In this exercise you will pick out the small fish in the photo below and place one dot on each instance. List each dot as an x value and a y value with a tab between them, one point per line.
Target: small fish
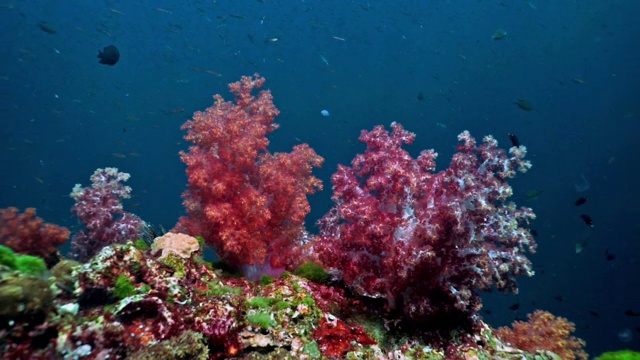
338	38
514	139
524	104
534	194
104	31
236	16
210	72
38	179
558	298
587	219
515	306
594	313
324	60
64	287
498	35
271	40
534	232
581	246
609	256
173	111
632	313
109	55
581	200
578	80
119	155
46	27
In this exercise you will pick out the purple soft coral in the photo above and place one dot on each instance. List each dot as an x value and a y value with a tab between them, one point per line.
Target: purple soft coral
427	241
99	208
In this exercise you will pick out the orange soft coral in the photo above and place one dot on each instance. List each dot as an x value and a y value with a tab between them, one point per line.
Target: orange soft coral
544	331
27	234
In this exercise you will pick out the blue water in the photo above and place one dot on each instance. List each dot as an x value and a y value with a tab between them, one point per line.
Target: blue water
431	65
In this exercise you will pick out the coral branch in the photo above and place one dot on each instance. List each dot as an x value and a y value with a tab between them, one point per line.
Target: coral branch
247	203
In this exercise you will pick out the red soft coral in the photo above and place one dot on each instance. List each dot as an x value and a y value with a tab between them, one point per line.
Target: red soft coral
544	331
247	203
28	234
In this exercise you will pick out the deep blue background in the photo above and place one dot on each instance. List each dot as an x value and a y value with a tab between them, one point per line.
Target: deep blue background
64	115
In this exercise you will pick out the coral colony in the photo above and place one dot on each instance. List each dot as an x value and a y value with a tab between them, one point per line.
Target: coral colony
395	272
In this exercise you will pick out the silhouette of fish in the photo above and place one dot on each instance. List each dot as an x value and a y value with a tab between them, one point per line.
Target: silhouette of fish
581	201
587	220
514	139
109	55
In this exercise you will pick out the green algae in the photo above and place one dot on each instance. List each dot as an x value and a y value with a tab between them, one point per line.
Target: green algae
31	265
282	305
217	289
177	263
123	287
26	264
141	245
261	319
266	280
312	350
261	303
312	271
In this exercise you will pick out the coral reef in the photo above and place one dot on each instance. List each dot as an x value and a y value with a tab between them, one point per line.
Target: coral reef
394	273
99	208
28	234
206	314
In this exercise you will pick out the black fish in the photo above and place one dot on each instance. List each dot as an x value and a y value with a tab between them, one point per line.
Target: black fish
514	139
594	313
534	232
558	298
587	219
109	55
632	313
580	201
514	307
609	256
